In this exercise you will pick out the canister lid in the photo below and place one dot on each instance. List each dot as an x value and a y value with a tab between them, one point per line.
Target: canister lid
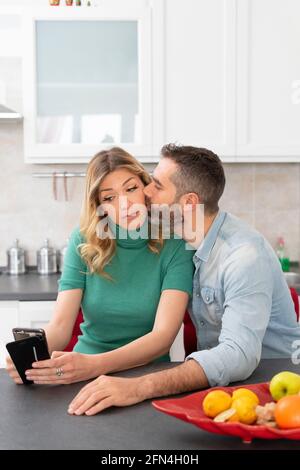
15	249
46	249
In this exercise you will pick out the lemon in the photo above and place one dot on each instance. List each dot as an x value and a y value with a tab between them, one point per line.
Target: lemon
245	409
245	392
215	402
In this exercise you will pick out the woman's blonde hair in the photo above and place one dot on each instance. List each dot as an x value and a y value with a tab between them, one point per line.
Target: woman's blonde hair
97	252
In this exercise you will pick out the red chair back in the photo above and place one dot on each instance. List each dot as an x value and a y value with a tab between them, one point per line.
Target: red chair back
189	335
295	298
76	332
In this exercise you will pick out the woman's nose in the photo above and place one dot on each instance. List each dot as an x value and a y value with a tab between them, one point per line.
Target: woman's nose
123	202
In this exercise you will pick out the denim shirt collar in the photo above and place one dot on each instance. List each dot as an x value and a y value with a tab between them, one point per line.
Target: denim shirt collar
209	240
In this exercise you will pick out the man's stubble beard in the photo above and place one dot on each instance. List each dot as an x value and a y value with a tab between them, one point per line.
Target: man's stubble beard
167	217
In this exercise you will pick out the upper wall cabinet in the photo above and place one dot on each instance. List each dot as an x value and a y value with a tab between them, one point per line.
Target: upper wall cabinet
200	74
10	32
222	74
268	80
90	80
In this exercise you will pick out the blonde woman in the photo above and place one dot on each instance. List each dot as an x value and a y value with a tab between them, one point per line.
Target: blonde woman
133	291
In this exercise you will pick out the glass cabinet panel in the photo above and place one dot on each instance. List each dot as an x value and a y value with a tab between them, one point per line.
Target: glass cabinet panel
87	82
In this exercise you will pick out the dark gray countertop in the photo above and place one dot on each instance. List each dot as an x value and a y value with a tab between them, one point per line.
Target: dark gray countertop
33	286
35	417
29	286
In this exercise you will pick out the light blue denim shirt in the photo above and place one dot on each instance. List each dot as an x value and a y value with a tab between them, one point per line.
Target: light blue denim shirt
241	307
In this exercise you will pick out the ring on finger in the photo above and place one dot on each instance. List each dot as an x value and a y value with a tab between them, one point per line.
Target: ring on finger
59	372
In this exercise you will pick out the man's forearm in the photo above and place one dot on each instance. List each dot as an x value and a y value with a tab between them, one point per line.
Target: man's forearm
184	378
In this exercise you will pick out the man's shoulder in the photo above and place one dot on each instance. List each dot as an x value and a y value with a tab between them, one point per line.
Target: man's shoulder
243	251
235	233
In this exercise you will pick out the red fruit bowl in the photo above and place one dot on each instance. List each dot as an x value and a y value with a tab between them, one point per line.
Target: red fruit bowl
189	409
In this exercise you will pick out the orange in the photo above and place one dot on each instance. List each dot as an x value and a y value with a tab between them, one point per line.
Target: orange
215	402
287	412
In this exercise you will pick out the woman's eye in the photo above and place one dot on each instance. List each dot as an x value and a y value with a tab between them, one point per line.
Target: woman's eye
132	189
108	198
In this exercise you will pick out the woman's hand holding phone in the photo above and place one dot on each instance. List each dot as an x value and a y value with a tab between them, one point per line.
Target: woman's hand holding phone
61	368
64	368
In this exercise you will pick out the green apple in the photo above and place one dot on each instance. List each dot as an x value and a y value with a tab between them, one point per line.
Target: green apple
284	383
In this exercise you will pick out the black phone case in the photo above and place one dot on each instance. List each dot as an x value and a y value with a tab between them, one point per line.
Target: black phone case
26	351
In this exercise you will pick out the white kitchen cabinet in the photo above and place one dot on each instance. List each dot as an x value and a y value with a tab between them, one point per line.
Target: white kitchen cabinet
8	320
90	80
10	32
224	74
35	314
200	74
268	80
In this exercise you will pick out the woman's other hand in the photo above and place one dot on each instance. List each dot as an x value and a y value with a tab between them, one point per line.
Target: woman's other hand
12	371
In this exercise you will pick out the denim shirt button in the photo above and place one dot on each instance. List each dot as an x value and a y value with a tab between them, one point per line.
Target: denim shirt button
208	295
202	323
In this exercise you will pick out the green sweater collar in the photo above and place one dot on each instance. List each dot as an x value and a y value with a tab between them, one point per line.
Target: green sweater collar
129	238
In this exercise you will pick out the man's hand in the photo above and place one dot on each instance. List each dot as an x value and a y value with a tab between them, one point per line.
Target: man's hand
104	392
63	368
12	371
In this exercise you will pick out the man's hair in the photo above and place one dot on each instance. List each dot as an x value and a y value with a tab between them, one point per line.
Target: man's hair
199	171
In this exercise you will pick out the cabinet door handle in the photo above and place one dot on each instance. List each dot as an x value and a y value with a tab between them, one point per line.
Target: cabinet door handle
66	186
54	186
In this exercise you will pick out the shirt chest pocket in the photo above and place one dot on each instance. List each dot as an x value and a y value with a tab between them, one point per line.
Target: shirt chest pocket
212	304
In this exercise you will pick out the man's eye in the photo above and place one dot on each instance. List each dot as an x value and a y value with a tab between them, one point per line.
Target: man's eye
133	188
157	187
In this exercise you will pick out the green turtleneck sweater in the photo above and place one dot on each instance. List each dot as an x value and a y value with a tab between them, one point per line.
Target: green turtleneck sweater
120	311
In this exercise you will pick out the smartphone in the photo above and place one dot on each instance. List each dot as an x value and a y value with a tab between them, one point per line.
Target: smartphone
22	333
24	352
